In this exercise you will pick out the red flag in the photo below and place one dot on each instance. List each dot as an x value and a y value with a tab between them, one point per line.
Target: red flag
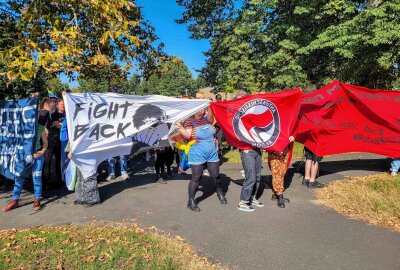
263	120
340	118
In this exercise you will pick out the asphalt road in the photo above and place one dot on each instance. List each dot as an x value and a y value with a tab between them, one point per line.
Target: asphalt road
301	236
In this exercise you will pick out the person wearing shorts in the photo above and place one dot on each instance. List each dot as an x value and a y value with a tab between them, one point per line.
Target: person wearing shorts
202	154
311	169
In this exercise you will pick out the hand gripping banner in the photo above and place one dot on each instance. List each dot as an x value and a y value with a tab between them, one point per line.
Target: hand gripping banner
107	125
341	118
259	121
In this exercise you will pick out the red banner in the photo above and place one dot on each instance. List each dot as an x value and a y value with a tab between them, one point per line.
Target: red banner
263	120
341	118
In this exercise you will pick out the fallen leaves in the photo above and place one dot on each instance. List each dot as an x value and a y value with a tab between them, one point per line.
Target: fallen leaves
179	238
119	245
90	258
373	199
60	264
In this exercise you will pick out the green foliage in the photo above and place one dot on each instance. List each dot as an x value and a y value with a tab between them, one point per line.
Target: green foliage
76	38
18	88
172	79
277	44
57	86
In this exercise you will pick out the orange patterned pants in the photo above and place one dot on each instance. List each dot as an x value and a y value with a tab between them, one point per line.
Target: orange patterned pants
277	164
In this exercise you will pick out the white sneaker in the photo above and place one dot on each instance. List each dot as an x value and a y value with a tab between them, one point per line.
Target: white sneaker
124	176
394	173
110	177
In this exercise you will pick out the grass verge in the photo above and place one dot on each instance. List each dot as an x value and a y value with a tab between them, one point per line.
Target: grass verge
373	199
234	156
96	247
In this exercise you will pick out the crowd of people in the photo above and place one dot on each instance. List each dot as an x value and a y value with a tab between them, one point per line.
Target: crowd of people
204	157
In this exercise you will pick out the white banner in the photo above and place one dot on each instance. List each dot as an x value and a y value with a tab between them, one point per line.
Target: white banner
101	126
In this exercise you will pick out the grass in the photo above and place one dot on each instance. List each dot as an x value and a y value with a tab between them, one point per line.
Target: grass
234	156
373	199
96	247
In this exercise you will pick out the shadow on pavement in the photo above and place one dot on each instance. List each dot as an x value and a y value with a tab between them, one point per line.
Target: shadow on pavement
208	189
326	168
332	167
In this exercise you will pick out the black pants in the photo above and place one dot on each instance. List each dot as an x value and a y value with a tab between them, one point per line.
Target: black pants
197	173
169	158
165	157
53	151
178	156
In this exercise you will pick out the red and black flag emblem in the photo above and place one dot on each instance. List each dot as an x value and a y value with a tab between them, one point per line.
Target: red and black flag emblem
263	120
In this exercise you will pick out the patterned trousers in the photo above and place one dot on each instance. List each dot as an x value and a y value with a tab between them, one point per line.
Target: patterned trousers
86	190
278	164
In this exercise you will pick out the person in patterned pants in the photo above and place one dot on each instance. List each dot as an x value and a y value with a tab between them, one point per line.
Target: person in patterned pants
278	163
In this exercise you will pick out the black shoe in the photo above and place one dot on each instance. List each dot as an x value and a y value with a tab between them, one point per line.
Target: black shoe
192	205
305	182
276	197
221	197
281	201
315	184
78	202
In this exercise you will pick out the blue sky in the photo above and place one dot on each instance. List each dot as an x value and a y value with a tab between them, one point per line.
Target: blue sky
162	15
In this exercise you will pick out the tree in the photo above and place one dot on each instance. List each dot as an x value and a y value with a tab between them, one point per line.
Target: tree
280	44
172	79
57	86
18	88
77	37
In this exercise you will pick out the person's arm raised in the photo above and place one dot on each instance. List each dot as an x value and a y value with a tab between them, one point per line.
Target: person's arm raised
186	133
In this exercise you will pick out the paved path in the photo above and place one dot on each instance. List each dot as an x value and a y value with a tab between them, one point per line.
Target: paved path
301	236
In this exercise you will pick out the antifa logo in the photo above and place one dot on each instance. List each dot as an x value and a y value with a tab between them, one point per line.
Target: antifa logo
257	123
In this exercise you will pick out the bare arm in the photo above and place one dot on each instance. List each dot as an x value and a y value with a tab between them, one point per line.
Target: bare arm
186	133
210	116
44	147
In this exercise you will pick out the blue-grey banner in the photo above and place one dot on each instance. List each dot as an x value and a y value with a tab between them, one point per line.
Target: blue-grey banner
18	129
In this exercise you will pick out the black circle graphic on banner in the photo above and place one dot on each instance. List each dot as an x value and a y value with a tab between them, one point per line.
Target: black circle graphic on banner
257	123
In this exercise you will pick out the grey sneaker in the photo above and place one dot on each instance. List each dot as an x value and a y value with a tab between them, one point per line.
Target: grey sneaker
161	181
256	203
315	184
245	207
393	173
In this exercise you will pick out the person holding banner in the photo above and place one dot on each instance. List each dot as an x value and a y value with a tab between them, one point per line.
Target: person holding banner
38	160
251	161
278	163
86	189
311	169
203	153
